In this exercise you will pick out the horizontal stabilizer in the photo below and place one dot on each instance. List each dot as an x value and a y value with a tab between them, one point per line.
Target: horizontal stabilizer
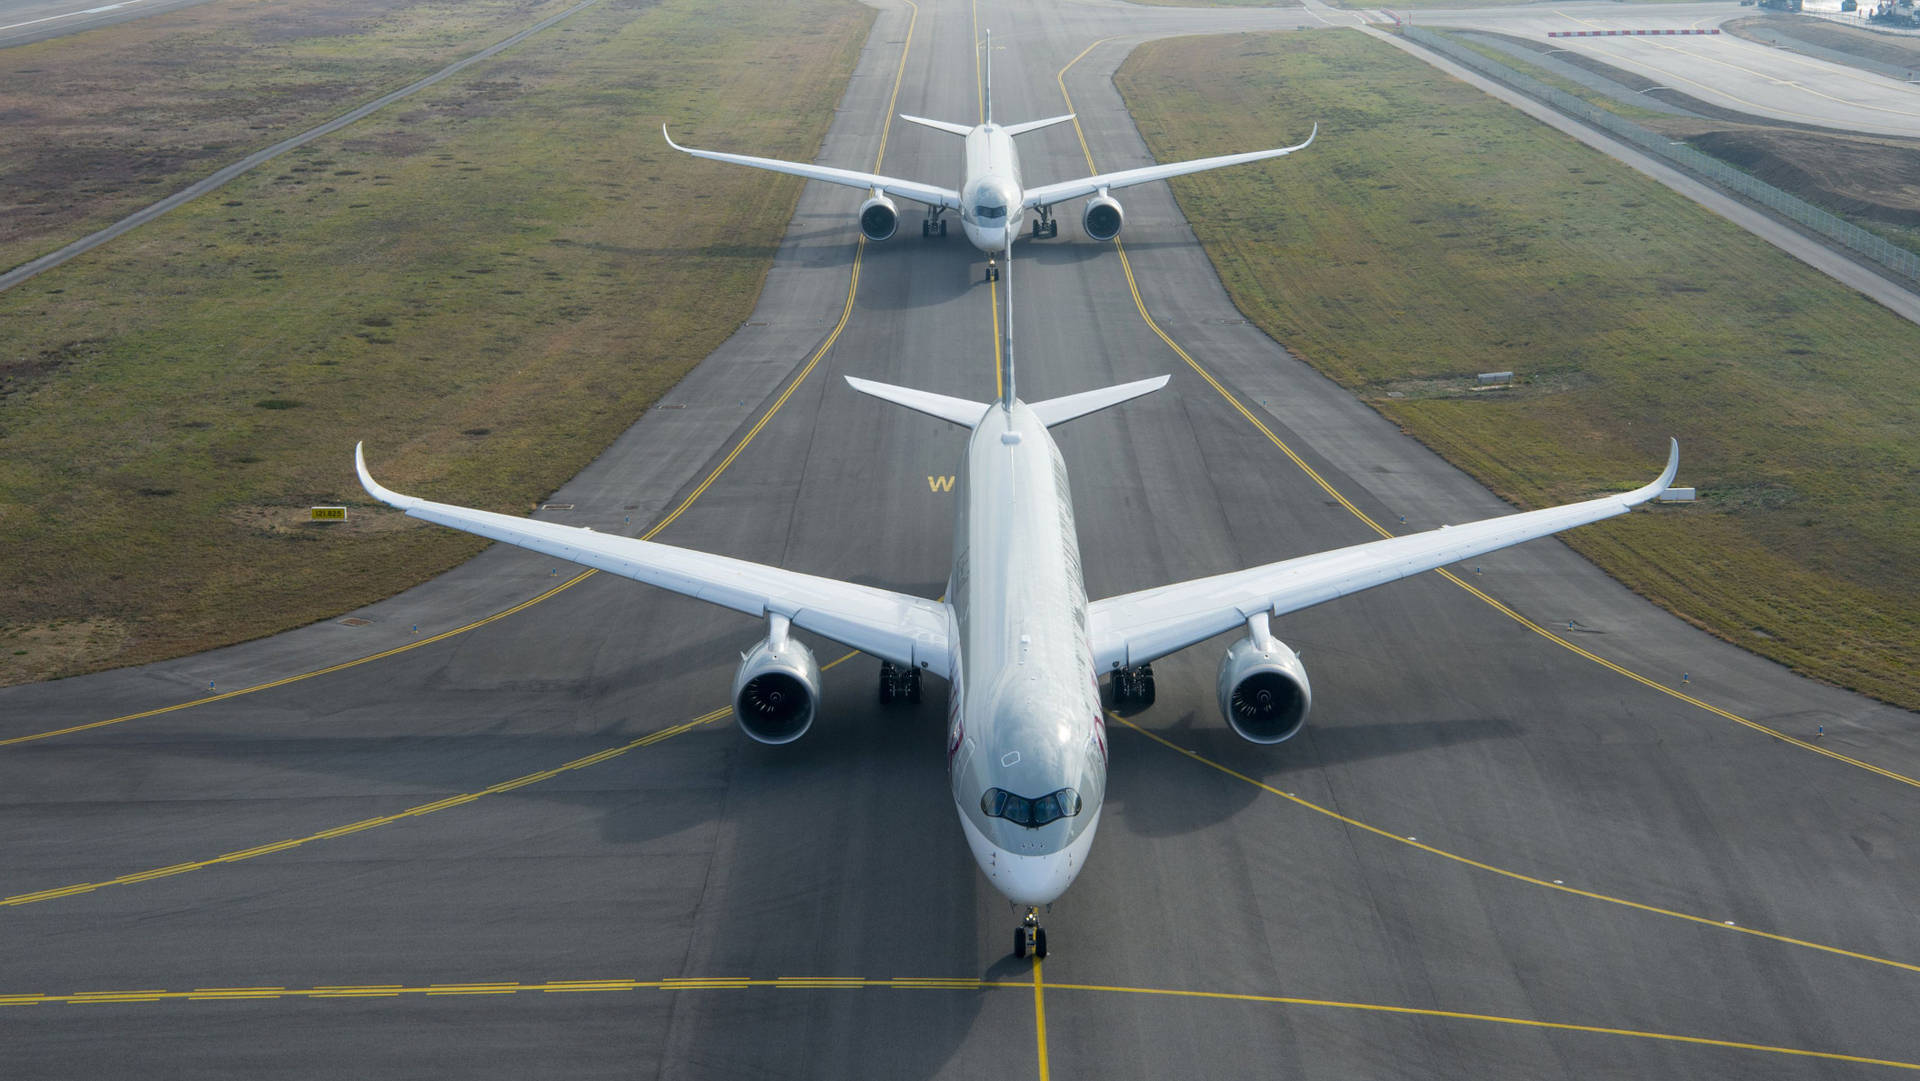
952	410
937	125
1036	125
1061	410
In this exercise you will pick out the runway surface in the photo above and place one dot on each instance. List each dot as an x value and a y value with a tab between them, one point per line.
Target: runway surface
1721	69
537	847
26	21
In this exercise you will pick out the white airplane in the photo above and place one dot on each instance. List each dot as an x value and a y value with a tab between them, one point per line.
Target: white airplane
1015	637
990	199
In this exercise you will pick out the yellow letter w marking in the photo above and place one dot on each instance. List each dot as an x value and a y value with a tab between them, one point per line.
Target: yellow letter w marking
939	484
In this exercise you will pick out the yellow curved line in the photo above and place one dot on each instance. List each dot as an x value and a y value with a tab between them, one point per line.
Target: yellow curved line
443	804
1592	895
896	983
365	823
846	312
1334	493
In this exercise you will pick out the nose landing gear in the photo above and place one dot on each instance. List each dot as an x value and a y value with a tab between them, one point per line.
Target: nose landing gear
1030	937
993	270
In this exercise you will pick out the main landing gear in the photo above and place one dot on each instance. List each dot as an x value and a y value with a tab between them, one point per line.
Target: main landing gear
933	227
1044	227
1133	686
899	684
1030	937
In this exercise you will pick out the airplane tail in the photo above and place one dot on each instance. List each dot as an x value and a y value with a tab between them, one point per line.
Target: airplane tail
937	125
1052	412
1034	125
988	119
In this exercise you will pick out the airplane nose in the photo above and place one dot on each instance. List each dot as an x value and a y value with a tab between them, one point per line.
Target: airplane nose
1030	880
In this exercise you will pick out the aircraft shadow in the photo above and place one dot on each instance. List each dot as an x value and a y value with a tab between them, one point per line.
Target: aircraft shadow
1153	788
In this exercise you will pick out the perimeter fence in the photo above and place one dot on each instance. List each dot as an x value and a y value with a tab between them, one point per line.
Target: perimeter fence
1791	207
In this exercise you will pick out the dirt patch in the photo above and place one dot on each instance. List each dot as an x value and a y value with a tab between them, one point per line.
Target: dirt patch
35	652
1859	177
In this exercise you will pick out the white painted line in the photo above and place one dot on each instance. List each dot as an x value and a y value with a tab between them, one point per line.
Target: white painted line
70	14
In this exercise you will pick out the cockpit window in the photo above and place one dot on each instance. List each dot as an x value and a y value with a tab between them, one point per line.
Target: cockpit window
990	212
1031	813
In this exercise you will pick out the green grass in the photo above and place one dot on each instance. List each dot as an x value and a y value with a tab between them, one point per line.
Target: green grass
101	124
1433	233
488	284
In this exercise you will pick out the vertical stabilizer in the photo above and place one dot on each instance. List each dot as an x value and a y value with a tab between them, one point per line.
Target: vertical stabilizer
1006	389
988	119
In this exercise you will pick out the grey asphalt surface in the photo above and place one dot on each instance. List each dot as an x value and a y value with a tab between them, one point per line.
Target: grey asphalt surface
704	856
23	22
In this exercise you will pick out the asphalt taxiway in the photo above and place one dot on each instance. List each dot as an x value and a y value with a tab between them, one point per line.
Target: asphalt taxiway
1721	69
534	845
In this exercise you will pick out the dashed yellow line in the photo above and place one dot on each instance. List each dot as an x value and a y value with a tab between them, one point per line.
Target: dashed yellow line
1335	494
1559	886
913	983
846	312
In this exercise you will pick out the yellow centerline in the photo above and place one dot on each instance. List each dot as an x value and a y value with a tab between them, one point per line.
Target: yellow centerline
1134	287
901	983
846	312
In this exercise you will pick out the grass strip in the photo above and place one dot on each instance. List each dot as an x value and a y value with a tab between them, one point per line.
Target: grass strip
490	282
1438	233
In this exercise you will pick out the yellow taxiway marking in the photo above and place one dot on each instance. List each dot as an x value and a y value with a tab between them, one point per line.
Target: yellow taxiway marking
919	983
1326	486
1040	1016
444	804
846	312
1562	887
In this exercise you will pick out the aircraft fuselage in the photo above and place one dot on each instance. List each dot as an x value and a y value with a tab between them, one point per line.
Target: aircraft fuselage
1024	708
990	191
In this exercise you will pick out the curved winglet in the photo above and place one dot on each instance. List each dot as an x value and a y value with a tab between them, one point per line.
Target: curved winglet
374	488
1665	480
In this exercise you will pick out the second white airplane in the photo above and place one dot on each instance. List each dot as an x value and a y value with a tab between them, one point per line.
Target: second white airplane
991	201
1021	648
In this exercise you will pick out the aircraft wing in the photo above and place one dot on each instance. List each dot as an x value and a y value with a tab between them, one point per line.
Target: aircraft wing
1135	628
930	194
893	626
1049	194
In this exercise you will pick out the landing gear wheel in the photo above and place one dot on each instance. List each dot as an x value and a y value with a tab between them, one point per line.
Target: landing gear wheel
889	682
943	229
1133	686
1029	938
913	685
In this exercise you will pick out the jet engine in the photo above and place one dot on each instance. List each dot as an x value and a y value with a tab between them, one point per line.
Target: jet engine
1102	218
776	692
879	217
1264	693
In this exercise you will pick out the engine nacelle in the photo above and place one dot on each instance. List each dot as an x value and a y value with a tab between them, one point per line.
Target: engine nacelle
776	692
1102	218
879	217
1264	694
